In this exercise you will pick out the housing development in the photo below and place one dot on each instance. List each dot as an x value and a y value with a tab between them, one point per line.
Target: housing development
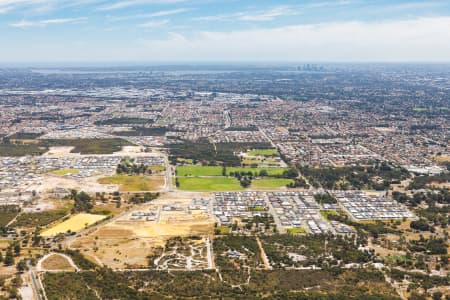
322	181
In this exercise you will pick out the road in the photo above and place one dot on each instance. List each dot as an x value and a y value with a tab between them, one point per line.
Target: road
168	187
36	289
277	221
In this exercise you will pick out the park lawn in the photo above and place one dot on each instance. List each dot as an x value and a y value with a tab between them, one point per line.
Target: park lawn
199	171
270	183
223	229
134	183
300	230
185	160
74	224
157	168
326	213
263	152
256	171
66	172
209	184
248	161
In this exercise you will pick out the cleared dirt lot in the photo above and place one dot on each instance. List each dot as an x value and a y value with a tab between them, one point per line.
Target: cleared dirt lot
126	243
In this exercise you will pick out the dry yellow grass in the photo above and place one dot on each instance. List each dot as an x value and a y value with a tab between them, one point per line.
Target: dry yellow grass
74	224
57	262
134	183
442	158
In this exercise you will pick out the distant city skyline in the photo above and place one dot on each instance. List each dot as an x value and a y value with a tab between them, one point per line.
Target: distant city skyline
178	31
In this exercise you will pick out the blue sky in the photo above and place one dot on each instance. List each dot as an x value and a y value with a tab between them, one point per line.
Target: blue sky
223	30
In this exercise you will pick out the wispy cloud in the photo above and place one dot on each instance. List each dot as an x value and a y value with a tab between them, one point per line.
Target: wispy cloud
130	3
162	13
43	23
421	39
154	24
41	6
9	5
269	15
259	16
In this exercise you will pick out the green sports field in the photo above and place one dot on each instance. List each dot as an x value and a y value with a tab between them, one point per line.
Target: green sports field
199	171
263	152
63	172
270	183
209	184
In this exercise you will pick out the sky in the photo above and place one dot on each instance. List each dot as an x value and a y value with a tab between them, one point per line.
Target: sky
261	31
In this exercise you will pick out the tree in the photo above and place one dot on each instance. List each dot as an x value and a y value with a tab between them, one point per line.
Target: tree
21	266
17	249
9	258
290	173
263	173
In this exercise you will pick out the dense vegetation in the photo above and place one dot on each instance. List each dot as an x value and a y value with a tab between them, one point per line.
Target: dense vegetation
209	154
123	121
143	131
322	250
420	182
24	136
83	146
10	149
333	284
91	146
82	201
143	198
7	214
378	176
39	219
127	166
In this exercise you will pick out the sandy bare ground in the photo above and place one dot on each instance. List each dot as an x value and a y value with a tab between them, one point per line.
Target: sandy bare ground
89	184
64	151
61	151
126	243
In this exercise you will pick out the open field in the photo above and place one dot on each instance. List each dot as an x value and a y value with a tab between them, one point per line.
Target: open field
217	170
126	243
209	184
296	230
199	171
74	224
134	183
442	158
256	171
57	262
263	152
270	183
157	168
63	172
